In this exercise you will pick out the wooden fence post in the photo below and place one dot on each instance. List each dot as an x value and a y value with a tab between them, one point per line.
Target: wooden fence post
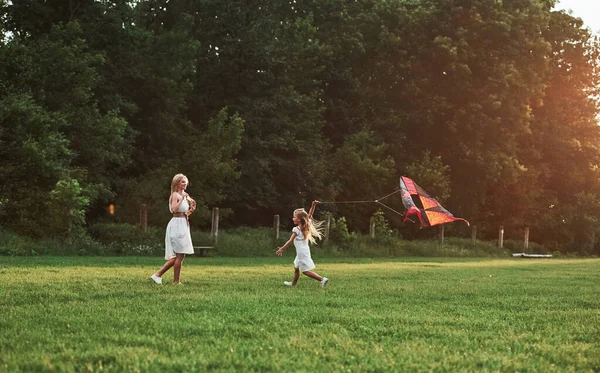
526	239
501	237
144	217
327	227
372	227
214	231
276	226
70	226
474	233
441	234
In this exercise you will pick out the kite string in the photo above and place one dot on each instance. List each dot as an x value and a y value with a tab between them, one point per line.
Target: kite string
388	207
386	196
373	201
339	202
343	202
377	201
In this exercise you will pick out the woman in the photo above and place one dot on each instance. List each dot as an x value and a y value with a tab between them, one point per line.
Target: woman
178	240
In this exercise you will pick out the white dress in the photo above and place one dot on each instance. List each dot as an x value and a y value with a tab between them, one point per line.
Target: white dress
303	259
178	239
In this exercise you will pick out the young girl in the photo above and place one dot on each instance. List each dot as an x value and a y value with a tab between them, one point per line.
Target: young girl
178	240
305	230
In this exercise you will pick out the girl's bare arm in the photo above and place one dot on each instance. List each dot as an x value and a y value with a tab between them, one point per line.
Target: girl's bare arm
312	209
280	250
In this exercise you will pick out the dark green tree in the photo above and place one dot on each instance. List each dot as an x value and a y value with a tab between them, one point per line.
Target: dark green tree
50	107
562	149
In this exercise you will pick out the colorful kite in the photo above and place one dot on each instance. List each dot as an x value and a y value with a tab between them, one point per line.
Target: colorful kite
432	212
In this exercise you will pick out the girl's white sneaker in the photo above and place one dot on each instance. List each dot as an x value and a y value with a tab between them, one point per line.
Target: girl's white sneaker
324	282
288	283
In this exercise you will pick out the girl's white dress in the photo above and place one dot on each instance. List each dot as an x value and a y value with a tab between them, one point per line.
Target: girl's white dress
178	239
303	259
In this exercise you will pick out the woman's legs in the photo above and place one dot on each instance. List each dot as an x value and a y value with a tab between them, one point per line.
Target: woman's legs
168	264
177	268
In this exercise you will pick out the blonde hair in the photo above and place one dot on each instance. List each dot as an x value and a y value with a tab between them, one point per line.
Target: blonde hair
311	229
176	179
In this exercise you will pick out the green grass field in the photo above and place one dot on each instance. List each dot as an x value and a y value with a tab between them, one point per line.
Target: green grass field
411	314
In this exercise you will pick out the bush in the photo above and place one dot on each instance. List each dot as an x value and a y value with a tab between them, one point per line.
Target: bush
127	239
338	232
365	246
244	241
382	226
465	247
515	246
14	245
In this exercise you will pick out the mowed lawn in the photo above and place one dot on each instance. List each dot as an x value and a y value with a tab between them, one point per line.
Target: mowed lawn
232	314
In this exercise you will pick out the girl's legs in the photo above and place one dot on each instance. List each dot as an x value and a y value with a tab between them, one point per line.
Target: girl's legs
296	276
177	268
295	280
313	275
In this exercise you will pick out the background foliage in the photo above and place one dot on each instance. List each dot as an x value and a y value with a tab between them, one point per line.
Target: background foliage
492	106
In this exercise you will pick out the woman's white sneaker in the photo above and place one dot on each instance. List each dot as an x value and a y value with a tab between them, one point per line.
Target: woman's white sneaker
324	282
288	283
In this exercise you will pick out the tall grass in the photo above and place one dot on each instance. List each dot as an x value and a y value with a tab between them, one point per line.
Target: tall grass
233	314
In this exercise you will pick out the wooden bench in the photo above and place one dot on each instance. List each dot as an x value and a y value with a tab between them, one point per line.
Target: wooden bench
203	249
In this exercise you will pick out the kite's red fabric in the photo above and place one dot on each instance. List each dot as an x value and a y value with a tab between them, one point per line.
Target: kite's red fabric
432	212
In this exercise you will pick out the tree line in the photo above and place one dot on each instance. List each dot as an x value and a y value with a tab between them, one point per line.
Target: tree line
489	105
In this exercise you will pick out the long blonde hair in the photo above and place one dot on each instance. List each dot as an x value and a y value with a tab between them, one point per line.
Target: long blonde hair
311	229
176	179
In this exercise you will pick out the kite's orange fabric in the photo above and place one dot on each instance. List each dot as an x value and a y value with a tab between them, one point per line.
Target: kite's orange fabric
432	212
